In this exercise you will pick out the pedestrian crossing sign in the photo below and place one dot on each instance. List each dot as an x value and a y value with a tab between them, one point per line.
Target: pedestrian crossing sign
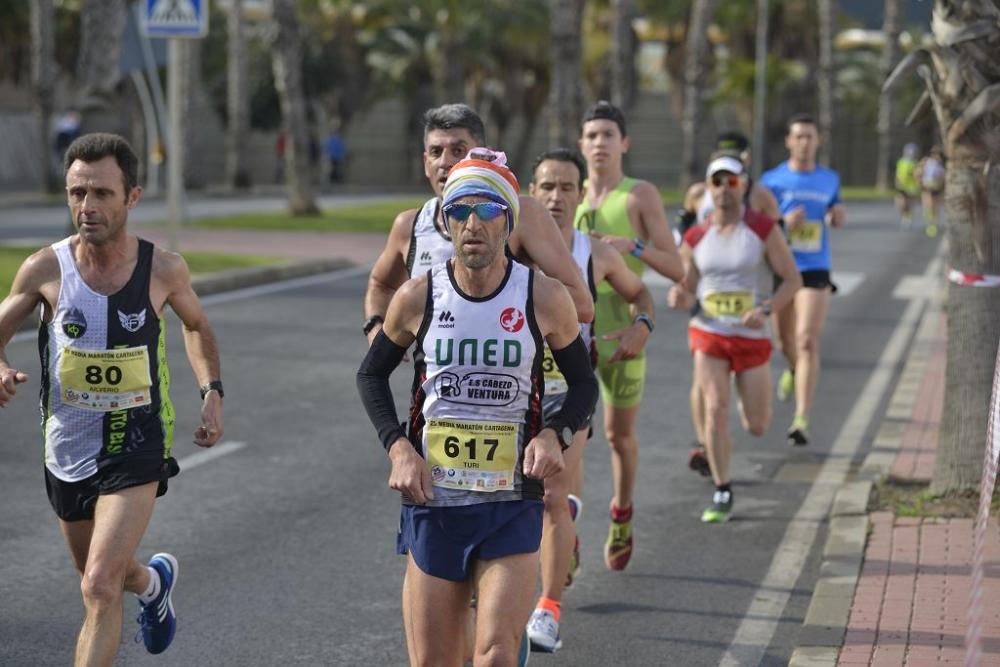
175	18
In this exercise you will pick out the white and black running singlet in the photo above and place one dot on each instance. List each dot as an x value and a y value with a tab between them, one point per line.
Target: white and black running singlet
555	381
105	381
429	244
478	389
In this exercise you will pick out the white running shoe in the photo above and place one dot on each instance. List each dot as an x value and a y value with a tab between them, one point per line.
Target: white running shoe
543	631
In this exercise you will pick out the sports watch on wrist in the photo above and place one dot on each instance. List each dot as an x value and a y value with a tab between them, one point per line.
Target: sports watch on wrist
215	385
766	308
370	323
645	319
564	434
640	245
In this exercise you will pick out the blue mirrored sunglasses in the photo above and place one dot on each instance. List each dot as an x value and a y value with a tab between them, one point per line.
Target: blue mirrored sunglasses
485	211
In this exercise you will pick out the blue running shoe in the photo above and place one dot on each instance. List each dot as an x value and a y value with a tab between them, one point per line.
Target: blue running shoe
575	506
157	618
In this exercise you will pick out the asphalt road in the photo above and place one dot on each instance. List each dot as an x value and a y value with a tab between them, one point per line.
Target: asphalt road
286	540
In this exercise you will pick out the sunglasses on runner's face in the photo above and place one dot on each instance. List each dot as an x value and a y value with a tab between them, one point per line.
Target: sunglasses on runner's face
485	211
731	181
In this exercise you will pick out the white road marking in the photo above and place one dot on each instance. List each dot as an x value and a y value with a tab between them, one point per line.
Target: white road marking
756	631
847	281
206	455
251	292
913	287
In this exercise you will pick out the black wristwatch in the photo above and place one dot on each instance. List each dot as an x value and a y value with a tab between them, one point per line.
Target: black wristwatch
214	384
564	434
370	323
645	319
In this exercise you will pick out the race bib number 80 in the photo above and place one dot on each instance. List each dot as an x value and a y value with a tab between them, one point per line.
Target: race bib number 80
105	380
471	455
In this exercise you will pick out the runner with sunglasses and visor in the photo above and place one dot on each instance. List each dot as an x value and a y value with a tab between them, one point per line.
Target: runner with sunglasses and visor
724	258
471	462
698	205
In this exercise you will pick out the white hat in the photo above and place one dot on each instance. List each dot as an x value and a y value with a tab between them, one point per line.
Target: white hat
730	164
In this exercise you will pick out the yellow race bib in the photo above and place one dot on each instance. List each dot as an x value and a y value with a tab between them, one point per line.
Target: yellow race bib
471	455
555	381
808	237
105	380
726	304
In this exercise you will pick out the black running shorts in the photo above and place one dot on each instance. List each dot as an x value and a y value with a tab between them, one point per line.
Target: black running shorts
816	279
75	501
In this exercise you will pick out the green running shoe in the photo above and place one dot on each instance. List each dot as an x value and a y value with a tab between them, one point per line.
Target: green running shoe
574	565
618	548
721	509
786	385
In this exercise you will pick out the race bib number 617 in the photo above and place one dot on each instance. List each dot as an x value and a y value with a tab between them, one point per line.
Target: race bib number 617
471	455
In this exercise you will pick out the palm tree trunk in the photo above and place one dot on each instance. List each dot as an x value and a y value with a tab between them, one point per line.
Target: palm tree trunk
826	77
43	72
286	61
891	27
566	49
623	54
967	38
695	59
102	24
972	211
237	102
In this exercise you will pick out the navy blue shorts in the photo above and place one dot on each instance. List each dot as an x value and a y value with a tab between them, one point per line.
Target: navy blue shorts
445	540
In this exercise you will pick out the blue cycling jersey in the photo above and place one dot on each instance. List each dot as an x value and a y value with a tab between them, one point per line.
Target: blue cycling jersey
817	191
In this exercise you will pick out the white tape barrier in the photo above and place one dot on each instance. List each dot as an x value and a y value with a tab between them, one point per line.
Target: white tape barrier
973	634
973	279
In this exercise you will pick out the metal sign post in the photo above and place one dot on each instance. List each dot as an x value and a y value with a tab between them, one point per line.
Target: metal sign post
176	20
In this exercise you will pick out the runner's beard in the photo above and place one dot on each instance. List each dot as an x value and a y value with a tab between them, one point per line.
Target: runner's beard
485	254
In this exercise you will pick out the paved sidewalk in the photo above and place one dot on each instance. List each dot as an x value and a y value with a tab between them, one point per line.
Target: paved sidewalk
895	590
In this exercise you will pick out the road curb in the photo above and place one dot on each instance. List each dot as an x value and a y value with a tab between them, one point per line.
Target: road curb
227	281
825	625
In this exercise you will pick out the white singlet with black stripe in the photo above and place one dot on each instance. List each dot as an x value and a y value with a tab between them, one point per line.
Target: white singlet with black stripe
429	243
478	385
729	268
582	251
105	382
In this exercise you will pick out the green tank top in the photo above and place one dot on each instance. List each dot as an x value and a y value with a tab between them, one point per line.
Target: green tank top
611	217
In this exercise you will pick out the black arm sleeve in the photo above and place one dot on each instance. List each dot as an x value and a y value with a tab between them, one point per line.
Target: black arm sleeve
686	220
373	386
581	397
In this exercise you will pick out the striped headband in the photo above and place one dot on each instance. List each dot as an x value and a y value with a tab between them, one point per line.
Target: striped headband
484	173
